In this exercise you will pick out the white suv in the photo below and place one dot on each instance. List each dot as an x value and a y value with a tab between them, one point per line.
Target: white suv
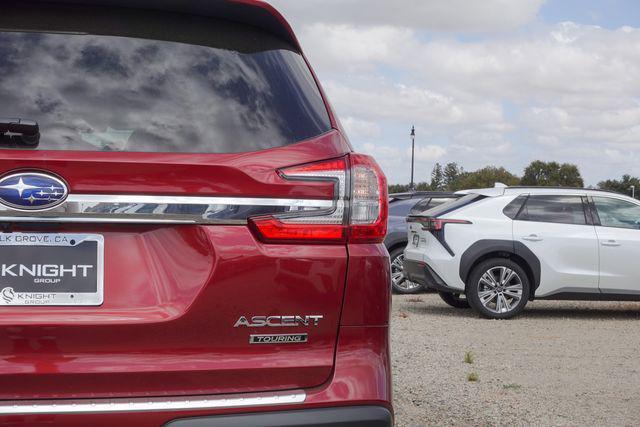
501	247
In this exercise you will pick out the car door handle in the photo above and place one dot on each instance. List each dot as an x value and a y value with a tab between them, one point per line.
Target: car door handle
611	243
532	238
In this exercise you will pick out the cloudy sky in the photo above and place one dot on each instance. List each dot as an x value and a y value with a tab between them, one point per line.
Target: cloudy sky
492	82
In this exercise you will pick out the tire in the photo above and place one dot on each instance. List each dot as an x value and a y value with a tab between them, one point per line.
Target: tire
399	283
498	288
454	300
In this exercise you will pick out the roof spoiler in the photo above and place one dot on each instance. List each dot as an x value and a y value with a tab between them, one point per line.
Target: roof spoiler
250	12
497	190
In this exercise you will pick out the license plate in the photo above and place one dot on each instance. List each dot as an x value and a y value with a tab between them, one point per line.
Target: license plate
51	269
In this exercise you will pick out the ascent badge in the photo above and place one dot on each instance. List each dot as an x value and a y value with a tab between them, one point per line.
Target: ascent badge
278	321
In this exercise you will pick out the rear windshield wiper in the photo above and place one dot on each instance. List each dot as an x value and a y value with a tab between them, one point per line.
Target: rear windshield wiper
19	131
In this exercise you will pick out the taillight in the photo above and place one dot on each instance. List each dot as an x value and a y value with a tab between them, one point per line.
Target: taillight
365	221
273	230
369	201
436	224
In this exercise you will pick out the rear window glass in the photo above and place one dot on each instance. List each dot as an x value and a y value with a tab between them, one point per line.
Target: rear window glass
558	209
453	205
401	207
428	204
421	206
435	202
512	209
155	83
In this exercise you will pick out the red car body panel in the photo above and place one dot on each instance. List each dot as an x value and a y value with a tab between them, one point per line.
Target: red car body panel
172	293
166	301
361	377
250	174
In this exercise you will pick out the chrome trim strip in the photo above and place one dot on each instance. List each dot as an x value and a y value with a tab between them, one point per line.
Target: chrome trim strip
112	220
86	406
194	200
141	209
108	220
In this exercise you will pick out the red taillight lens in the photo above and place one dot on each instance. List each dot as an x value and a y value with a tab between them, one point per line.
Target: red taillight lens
365	222
272	230
436	224
333	167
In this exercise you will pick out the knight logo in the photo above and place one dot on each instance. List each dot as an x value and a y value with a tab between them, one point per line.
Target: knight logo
8	295
278	321
44	270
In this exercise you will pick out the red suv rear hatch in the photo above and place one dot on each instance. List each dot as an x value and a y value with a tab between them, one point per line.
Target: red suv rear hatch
202	153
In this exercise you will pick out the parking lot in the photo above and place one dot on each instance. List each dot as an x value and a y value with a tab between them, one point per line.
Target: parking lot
560	363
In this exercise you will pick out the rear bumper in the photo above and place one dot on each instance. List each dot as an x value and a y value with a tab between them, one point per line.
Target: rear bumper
356	416
420	272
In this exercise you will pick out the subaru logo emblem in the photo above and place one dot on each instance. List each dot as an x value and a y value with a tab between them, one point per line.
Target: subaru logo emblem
32	191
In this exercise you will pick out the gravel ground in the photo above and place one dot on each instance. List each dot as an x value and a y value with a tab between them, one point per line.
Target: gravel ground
559	363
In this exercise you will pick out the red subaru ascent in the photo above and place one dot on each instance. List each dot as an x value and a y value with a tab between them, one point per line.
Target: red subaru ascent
186	235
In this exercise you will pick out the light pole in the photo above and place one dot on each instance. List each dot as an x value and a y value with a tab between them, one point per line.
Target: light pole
633	191
413	151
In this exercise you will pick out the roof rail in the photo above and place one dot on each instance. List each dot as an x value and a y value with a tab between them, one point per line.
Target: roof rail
560	188
524	187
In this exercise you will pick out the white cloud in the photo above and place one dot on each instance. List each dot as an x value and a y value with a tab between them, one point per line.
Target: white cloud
596	65
342	47
396	161
428	153
565	91
361	128
383	100
439	15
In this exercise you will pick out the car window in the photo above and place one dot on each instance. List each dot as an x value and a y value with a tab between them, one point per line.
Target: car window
421	206
195	91
435	202
401	207
453	204
552	208
512	209
617	213
428	204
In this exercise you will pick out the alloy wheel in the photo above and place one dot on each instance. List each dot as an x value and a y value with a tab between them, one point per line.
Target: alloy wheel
500	289
397	275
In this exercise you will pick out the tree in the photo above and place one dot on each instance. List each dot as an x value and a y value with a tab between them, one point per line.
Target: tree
437	178
451	172
485	177
552	174
622	186
423	186
398	188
